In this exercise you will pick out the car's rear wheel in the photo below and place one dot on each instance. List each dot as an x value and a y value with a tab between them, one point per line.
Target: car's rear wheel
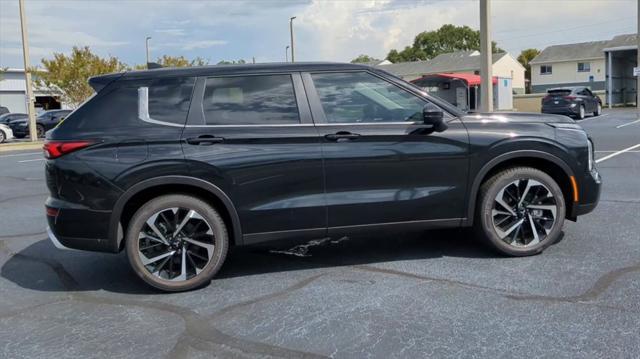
3	137
176	242
520	211
581	112
40	131
598	110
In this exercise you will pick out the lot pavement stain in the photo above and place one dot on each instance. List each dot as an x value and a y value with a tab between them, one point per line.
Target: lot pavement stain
199	332
23	197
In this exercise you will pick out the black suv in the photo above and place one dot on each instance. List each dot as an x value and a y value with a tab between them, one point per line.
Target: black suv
574	101
178	165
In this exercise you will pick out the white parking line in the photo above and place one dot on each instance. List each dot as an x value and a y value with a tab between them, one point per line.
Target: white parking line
22	154
629	123
617	153
37	159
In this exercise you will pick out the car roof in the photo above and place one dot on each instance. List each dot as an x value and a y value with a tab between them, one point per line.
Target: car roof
232	69
567	88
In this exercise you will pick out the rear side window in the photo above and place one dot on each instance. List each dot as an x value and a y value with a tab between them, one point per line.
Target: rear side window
166	101
250	100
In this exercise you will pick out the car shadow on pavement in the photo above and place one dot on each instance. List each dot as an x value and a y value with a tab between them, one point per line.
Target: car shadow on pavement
41	267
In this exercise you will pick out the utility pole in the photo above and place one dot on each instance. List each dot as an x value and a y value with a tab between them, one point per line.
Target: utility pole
146	42
293	52
485	57
33	133
286	52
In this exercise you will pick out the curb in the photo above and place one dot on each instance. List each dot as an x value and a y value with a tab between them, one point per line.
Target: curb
10	147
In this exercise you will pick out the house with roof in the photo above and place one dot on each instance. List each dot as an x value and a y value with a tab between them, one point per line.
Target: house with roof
13	93
601	65
580	64
504	65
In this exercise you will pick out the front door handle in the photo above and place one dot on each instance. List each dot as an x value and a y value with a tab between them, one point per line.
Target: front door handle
205	140
342	136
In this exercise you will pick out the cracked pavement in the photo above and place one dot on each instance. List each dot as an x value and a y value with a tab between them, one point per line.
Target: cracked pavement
438	294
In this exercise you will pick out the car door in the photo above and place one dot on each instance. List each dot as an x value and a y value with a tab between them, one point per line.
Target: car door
383	166
253	137
586	99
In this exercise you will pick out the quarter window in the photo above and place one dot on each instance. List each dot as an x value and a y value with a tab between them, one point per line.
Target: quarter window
354	97
584	66
250	100
546	69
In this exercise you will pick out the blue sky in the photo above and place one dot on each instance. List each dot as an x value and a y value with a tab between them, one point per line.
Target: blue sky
326	30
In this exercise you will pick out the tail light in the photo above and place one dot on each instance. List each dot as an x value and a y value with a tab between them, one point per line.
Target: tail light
55	149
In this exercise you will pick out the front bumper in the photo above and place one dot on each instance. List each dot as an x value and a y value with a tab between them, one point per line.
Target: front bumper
589	190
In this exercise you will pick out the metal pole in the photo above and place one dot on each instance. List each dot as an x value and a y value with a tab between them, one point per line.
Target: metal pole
286	53
146	41
609	78
293	52
33	133
485	54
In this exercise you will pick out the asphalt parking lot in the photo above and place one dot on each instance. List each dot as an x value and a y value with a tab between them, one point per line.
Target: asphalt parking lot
439	294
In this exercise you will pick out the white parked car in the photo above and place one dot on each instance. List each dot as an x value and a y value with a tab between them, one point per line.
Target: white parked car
5	133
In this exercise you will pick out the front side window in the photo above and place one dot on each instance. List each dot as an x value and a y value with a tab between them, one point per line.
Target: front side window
545	70
250	100
584	66
356	97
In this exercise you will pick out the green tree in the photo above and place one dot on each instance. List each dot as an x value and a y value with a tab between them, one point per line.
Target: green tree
70	74
363	59
448	38
524	58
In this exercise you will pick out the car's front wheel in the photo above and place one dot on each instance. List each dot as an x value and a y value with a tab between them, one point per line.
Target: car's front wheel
520	211
176	242
3	137
40	131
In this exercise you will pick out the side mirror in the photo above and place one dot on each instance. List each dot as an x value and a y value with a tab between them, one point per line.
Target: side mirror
434	118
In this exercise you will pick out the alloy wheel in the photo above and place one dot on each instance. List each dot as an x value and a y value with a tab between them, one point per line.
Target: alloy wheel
176	244
524	213
581	112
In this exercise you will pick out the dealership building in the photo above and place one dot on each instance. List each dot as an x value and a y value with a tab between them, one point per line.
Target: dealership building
13	93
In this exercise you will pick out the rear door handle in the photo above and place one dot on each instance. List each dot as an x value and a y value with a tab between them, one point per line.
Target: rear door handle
342	136
205	140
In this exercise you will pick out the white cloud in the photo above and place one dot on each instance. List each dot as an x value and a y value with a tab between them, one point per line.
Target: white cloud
202	44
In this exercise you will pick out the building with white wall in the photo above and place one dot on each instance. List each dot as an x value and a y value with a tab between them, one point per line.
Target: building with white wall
601	65
13	93
504	65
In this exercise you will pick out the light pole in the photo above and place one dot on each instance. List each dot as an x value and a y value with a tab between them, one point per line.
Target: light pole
33	132
286	53
486	75
146	41
293	51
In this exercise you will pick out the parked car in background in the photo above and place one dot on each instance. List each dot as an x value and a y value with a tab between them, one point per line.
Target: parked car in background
178	165
5	133
3	110
572	101
44	122
8	117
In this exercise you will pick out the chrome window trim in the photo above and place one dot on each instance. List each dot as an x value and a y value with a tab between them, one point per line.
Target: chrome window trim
143	109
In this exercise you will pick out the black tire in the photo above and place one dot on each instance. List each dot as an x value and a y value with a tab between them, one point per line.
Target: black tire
3	137
598	110
484	222
209	215
581	113
40	131
19	136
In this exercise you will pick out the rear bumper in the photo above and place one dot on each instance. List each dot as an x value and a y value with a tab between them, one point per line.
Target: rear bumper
75	227
561	110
